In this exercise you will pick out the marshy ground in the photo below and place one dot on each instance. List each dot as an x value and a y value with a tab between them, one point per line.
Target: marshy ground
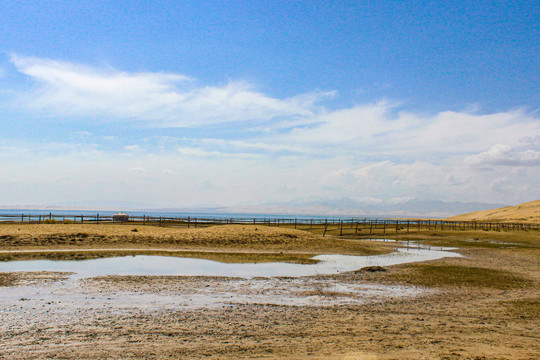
484	305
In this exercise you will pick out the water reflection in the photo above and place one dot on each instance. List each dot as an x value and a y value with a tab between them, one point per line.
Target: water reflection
165	265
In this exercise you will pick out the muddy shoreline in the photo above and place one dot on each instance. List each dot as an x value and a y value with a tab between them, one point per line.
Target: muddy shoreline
484	305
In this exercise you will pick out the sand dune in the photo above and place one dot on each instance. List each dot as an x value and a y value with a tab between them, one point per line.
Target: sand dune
526	212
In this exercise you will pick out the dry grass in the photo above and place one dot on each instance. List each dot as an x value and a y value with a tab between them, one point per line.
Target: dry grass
225	257
7	279
444	275
523	308
475	239
241	238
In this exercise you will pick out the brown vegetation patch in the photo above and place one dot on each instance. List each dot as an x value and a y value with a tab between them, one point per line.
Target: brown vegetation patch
225	257
237	237
444	275
7	279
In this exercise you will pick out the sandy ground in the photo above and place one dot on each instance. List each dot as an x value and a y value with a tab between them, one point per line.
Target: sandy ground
388	314
526	212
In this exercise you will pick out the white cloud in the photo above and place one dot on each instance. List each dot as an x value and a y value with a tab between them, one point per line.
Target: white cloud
64	88
376	128
504	155
292	148
138	169
132	148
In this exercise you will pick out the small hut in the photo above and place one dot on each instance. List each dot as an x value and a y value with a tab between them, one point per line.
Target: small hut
122	217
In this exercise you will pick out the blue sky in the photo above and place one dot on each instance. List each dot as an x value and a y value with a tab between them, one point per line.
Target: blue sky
169	103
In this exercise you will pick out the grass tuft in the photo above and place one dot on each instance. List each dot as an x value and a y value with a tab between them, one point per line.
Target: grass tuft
455	275
523	308
7	279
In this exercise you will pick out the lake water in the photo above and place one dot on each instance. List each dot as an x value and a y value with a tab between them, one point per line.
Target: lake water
168	265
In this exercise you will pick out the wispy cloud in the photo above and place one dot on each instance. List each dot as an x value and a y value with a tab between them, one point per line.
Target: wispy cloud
165	99
286	149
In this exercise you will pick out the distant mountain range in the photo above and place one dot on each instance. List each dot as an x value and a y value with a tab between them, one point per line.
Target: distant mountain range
349	207
330	207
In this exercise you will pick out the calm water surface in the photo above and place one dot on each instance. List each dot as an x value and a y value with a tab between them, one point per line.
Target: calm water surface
166	265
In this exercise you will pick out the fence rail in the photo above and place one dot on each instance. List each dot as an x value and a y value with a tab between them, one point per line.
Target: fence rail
342	227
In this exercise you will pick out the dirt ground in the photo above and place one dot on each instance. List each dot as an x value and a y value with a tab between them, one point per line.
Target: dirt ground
484	305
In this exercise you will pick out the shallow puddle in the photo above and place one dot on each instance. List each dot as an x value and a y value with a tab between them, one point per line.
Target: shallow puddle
166	265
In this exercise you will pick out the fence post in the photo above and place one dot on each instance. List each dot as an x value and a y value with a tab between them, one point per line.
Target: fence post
97	219
371	226
325	227
340	227
295	223
384	227
188	221
397	225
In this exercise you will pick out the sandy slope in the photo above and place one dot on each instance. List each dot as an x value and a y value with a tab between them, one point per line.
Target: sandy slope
526	212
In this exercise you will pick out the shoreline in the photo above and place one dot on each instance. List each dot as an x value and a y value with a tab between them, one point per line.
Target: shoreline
484	304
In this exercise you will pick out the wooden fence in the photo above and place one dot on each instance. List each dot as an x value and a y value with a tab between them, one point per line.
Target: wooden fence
342	227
